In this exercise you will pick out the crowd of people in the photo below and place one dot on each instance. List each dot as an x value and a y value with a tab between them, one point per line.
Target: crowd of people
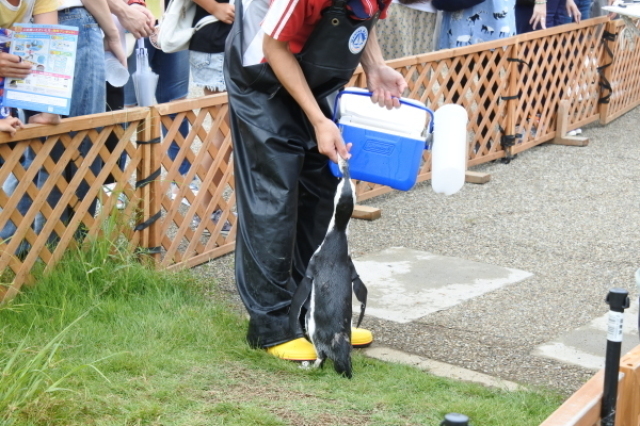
280	61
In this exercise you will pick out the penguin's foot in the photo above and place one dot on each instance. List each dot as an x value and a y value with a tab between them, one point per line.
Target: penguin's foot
294	350
361	337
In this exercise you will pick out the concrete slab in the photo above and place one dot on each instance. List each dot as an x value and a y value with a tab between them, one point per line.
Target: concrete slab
405	285
438	368
586	346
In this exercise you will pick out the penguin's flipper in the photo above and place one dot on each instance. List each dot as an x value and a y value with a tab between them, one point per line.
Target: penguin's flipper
297	302
360	291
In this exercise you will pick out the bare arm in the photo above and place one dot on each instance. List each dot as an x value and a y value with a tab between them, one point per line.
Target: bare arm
100	11
287	69
225	12
49	18
135	18
385	83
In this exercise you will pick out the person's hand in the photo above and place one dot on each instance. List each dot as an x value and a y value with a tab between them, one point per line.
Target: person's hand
386	86
330	141
573	11
12	67
138	20
113	44
539	16
225	12
10	125
44	118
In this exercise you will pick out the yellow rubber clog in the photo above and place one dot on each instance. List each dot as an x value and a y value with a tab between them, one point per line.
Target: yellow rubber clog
361	337
294	350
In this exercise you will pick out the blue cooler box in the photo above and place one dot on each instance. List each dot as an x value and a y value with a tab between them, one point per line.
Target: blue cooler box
387	144
381	157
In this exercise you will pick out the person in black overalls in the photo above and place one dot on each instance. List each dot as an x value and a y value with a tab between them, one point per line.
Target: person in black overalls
283	137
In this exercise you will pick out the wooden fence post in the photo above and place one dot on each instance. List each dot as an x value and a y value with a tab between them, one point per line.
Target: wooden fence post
149	171
509	137
629	403
604	68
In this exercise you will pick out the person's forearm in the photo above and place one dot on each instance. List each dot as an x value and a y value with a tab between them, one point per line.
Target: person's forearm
100	11
287	69
49	18
372	55
117	7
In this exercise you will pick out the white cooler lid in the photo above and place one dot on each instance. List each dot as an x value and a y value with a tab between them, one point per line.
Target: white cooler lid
361	111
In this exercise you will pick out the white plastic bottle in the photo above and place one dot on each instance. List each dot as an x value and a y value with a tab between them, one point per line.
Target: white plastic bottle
116	74
449	150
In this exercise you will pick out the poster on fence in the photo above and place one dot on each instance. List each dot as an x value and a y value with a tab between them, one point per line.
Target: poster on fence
51	51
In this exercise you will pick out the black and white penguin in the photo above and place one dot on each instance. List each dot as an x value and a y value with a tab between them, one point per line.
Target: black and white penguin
329	282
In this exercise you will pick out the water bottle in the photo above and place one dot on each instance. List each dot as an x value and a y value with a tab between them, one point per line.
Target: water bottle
449	151
116	74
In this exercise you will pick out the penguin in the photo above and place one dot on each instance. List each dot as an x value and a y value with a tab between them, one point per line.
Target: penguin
328	284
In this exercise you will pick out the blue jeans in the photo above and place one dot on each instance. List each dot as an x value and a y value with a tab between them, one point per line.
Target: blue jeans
554	15
585	11
88	97
173	83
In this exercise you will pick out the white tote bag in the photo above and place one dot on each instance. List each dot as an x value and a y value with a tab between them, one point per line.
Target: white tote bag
176	27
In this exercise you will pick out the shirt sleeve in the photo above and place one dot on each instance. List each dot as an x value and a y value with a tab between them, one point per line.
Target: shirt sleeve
45	6
286	19
385	8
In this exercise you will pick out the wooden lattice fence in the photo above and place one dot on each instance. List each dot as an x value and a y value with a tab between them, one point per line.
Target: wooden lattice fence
584	407
512	90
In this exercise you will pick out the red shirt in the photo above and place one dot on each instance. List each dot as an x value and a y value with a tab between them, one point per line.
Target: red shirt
294	20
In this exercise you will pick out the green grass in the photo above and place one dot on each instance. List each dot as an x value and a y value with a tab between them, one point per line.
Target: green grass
118	343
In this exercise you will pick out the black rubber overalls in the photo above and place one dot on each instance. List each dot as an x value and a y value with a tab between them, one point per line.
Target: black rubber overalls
284	188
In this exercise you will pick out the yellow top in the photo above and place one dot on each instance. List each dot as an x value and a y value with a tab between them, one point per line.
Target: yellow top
10	14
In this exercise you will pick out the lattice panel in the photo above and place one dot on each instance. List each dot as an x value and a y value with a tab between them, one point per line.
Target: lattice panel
186	242
72	162
501	94
556	67
622	74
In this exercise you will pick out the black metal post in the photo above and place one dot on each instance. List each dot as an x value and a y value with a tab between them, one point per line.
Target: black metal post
618	300
455	419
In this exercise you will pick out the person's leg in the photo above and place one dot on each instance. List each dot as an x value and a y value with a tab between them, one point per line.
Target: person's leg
8	187
556	10
585	8
89	97
523	16
115	102
317	188
173	69
266	174
206	72
585	11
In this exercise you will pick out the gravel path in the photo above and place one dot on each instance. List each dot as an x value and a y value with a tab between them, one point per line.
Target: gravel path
569	215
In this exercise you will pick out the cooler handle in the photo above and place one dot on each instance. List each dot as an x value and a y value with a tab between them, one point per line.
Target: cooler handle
403	102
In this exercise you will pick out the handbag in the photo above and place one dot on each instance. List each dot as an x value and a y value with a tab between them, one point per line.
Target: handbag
176	27
525	2
454	5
